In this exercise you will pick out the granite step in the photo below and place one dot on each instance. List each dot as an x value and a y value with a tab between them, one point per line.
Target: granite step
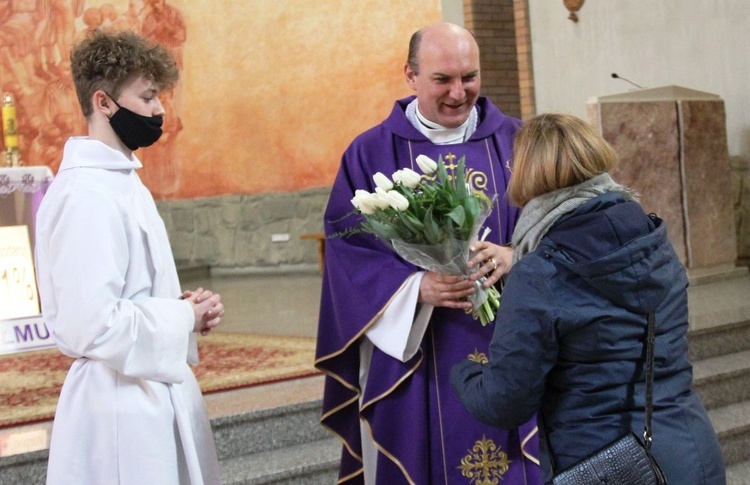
723	380
719	347
718	302
272	434
732	426
739	474
268	429
26	468
251	426
309	463
719	312
718	340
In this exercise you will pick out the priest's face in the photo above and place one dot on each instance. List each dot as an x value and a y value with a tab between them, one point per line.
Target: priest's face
447	82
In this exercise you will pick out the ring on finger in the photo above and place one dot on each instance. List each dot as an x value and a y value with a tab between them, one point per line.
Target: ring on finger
494	264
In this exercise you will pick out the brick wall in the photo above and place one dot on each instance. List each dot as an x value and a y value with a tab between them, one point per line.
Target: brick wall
502	30
525	64
493	24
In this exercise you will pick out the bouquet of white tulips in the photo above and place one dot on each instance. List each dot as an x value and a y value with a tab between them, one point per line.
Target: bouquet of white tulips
430	221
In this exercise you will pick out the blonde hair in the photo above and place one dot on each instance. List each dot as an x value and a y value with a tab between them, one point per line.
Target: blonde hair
553	151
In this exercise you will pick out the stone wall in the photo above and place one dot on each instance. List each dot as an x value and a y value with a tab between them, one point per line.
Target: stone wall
235	232
740	167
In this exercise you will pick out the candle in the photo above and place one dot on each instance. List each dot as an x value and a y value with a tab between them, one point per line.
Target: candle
9	123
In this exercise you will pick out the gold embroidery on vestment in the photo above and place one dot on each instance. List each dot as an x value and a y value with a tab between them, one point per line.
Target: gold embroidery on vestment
485	464
476	179
478	357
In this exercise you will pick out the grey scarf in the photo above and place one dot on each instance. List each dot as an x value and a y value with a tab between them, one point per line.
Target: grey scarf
541	212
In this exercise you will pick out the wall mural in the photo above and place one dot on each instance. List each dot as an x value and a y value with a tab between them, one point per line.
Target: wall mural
270	94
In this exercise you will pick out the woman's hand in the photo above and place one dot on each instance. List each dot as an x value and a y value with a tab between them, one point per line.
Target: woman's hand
491	262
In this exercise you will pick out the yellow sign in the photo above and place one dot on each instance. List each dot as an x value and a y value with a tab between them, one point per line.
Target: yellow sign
18	295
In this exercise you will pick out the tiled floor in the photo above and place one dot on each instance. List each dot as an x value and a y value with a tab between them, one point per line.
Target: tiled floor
269	304
285	303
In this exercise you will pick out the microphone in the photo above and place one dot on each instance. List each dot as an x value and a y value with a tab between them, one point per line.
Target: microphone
614	75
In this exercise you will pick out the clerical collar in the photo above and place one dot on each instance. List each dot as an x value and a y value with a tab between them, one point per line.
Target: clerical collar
438	134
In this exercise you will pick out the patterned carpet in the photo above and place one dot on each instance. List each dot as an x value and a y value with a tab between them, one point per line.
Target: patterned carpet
30	382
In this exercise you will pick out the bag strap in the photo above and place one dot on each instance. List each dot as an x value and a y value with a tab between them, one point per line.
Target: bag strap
650	341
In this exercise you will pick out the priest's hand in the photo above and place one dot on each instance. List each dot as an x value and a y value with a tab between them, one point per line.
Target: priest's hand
445	290
491	262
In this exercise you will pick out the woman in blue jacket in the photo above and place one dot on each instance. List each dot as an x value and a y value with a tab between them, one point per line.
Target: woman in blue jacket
569	339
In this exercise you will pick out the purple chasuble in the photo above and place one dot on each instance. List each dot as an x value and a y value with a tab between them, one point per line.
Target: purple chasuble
424	434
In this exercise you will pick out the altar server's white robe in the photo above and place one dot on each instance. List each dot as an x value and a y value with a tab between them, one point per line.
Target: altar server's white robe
130	411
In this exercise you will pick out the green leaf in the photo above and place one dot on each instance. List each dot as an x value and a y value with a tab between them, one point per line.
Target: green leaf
431	228
458	215
472	208
414	227
460	178
384	231
442	173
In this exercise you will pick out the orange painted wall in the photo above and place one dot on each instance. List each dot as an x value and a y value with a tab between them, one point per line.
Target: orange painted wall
271	93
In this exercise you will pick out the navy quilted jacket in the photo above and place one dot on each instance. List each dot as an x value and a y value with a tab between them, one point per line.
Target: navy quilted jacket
569	344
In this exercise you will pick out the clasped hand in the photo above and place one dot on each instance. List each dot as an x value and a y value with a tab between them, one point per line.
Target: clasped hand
207	309
443	290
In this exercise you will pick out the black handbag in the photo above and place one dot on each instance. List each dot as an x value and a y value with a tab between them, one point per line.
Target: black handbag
626	461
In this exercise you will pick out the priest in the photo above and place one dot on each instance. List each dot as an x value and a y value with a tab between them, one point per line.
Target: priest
389	331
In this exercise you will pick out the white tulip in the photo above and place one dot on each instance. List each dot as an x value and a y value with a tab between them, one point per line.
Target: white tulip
426	164
397	177
363	202
397	201
409	178
370	205
380	199
382	181
357	199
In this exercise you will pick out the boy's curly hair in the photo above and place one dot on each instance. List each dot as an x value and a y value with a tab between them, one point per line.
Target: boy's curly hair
110	61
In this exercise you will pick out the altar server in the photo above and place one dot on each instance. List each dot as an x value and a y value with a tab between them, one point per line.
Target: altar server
130	411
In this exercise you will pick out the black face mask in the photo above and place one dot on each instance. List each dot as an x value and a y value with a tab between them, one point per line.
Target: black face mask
135	130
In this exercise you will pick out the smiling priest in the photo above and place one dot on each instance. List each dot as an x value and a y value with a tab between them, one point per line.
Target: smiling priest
389	331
